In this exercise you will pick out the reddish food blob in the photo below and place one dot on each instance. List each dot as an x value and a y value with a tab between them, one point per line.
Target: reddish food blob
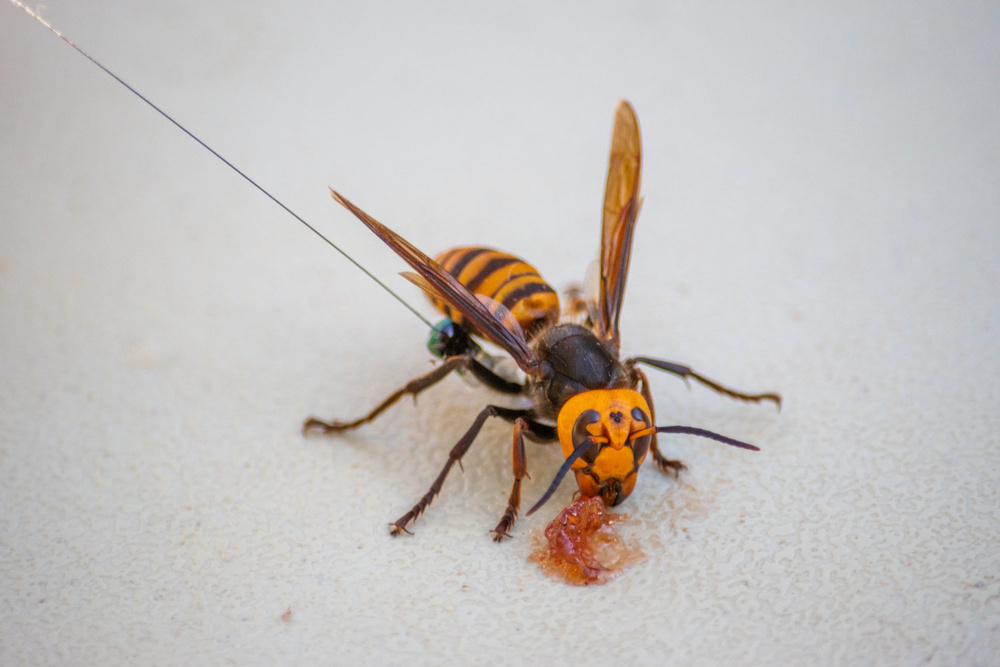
582	548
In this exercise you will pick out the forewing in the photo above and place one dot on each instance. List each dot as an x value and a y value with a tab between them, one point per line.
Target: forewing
506	318
489	325
499	311
621	207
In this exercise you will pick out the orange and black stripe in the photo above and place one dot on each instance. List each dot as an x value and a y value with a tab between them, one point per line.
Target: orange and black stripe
507	279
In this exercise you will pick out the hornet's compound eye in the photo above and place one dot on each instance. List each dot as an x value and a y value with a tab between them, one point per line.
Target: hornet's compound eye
640	445
580	433
447	339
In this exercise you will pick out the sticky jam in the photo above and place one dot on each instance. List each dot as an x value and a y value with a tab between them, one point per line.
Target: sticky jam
581	546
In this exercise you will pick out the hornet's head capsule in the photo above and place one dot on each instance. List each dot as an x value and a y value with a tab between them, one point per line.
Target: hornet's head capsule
616	422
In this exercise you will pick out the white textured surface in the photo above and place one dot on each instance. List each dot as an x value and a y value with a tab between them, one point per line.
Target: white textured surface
821	218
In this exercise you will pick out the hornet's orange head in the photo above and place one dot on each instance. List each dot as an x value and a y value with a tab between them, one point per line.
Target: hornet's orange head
618	425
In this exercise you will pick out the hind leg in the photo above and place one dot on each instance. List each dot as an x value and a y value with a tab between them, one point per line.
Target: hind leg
412	388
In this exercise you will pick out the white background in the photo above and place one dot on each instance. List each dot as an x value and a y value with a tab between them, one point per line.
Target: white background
821	218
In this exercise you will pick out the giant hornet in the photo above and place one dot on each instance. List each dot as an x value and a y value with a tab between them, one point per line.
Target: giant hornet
597	406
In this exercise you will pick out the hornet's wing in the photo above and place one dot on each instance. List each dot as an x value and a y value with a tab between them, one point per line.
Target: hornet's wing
621	207
489	322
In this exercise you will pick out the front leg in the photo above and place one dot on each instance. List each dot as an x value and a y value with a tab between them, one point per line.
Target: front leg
523	426
661	461
665	464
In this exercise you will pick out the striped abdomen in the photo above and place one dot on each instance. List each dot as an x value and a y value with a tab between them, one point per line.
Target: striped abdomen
506	279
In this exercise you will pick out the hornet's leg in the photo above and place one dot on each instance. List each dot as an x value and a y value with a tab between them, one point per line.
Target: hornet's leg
413	387
662	462
454	456
523	426
494	381
686	372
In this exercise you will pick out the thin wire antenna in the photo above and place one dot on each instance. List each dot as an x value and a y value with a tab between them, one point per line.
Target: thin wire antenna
229	164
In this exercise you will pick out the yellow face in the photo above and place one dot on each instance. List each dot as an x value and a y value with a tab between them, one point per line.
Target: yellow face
617	423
